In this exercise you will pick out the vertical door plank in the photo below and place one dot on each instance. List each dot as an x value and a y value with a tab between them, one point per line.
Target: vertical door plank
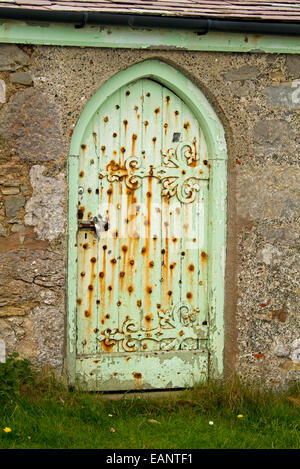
151	218
86	291
203	255
87	244
191	242
172	132
88	173
171	209
130	210
108	244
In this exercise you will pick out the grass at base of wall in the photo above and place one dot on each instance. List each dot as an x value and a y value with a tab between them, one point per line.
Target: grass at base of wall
36	411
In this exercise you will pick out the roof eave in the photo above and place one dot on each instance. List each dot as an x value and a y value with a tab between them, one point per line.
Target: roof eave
201	24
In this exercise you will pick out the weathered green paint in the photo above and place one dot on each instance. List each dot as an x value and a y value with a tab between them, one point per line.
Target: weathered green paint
72	267
139	38
93	365
94	372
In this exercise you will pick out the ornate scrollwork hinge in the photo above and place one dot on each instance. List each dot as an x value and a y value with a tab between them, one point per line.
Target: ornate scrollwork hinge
175	327
178	174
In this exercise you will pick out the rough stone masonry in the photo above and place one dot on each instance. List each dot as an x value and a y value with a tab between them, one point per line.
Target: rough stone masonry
43	91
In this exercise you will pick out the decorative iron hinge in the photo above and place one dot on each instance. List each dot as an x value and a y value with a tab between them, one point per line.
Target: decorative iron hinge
175	327
178	174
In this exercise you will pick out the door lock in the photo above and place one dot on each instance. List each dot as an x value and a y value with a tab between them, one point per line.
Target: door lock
100	225
95	224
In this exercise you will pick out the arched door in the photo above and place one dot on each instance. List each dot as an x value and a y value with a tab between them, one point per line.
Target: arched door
142	303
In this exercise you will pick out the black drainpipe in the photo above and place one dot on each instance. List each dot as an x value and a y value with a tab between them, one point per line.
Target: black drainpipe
198	25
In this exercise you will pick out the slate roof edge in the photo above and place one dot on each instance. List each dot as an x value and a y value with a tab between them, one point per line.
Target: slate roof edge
203	24
278	10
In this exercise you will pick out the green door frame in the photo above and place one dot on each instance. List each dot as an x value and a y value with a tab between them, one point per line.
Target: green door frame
60	34
215	138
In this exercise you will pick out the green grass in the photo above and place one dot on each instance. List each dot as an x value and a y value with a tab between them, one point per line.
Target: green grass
42	413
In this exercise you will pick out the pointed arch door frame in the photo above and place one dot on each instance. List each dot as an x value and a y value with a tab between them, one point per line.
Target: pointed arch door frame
217	150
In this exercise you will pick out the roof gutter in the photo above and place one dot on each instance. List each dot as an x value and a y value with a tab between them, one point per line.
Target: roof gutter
199	25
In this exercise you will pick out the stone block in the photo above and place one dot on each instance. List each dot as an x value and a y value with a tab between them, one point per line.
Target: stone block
281	351
2	92
13	332
31	121
293	65
247	72
12	311
16	228
272	134
44	210
11	221
3	230
48	329
284	96
269	193
9	182
25	239
31	268
295	351
10	191
2	351
21	78
13	203
12	57
241	89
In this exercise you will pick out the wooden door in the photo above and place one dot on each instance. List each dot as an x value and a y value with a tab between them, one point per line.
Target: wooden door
142	310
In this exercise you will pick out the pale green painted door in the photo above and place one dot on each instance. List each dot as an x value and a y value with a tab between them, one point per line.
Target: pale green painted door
142	309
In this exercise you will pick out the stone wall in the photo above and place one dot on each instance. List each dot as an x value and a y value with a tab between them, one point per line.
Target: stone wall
43	91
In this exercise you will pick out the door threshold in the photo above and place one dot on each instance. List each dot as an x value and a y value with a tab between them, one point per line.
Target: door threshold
146	394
